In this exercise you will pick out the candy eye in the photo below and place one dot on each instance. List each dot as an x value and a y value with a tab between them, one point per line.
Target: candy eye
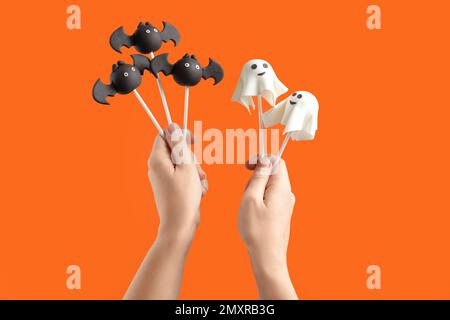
294	94
299	96
147	31
265	65
254	66
125	74
187	65
197	67
154	29
133	69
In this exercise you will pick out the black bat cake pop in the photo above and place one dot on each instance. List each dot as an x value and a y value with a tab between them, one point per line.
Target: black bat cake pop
146	38
187	71
124	79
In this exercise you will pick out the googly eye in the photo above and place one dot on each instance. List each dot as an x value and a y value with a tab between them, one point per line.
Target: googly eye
254	66
154	29
197	67
187	65
133	69
147	31
125	74
265	65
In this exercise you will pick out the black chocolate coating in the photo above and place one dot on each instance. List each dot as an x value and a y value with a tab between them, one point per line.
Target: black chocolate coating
147	38
101	91
187	72
125	78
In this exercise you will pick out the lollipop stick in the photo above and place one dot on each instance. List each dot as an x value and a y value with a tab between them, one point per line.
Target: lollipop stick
283	146
261	136
162	94
186	109
150	114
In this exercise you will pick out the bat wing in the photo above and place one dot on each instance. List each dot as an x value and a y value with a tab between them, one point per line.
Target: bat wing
160	63
119	38
100	91
169	32
141	62
213	70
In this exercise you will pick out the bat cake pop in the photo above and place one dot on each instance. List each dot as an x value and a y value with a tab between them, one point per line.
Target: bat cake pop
147	39
258	79
298	113
186	72
125	78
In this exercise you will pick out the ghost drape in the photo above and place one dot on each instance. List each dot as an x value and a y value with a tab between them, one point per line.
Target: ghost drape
258	79
299	116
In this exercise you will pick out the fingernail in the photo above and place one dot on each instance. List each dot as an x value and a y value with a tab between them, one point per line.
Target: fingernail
173	127
265	161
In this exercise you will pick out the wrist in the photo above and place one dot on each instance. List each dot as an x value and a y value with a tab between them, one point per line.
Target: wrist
176	238
267	262
172	244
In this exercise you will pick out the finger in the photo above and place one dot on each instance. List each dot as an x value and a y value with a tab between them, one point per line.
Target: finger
257	184
190	138
181	153
279	180
205	186
201	172
251	165
253	161
203	179
171	135
160	155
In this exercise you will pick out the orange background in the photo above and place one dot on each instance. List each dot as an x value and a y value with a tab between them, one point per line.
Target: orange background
371	189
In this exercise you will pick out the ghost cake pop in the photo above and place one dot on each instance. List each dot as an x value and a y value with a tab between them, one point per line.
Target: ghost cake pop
125	78
147	39
258	79
186	72
298	113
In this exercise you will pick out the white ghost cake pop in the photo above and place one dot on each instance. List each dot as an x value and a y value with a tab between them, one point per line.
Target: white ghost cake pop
298	113
258	79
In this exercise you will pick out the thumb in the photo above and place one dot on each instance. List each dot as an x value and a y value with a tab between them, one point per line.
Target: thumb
160	155
256	186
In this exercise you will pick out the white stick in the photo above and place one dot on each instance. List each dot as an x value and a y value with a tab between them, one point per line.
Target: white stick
150	114
162	94
283	146
261	132
186	109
